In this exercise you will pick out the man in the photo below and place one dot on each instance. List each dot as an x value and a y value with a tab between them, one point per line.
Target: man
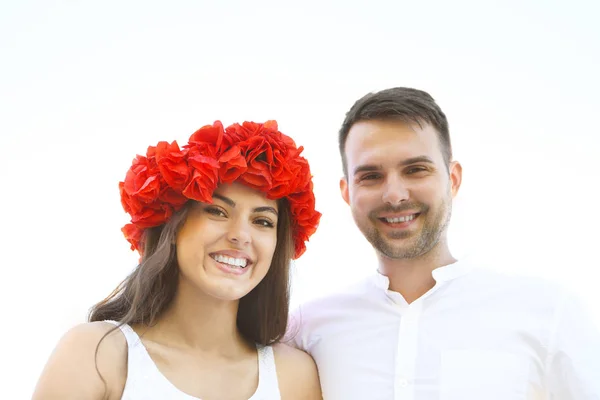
427	326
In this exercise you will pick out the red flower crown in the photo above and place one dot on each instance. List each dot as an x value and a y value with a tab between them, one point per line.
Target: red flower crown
257	155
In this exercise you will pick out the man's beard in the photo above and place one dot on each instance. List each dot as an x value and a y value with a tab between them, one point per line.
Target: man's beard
415	244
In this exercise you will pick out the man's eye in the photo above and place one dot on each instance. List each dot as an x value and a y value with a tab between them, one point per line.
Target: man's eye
415	170
369	177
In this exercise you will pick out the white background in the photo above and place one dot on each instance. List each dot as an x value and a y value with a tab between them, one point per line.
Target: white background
85	85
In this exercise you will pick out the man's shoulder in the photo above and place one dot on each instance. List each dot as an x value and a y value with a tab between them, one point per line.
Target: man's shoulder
339	299
519	288
515	280
333	307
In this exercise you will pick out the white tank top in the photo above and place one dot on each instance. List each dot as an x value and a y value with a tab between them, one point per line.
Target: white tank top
146	382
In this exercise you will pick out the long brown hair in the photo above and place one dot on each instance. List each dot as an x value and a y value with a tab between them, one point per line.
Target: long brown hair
147	292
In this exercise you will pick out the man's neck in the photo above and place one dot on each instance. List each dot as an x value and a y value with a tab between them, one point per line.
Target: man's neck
412	278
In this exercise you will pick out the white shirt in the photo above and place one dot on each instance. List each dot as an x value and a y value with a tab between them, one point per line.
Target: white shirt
476	335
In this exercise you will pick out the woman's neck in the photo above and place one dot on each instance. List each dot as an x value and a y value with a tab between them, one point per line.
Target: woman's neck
199	322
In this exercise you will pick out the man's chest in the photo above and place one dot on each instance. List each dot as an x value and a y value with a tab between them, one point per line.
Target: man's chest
424	361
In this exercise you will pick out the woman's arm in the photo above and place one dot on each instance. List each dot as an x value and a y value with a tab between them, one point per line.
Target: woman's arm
297	374
75	371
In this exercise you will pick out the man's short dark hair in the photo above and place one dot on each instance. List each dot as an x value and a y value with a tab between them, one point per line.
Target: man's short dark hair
402	104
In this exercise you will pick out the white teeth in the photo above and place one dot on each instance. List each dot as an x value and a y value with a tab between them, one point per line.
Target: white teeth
400	219
235	262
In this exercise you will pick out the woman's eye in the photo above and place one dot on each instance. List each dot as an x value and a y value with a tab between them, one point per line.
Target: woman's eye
215	211
264	222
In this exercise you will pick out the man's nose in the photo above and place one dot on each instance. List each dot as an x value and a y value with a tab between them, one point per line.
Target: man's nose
395	190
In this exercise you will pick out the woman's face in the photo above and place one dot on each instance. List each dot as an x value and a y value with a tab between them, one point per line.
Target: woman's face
225	248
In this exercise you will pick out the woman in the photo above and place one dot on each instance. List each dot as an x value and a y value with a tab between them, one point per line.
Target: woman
216	223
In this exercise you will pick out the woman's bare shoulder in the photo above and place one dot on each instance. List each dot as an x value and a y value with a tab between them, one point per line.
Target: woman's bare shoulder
297	373
103	340
89	361
94	331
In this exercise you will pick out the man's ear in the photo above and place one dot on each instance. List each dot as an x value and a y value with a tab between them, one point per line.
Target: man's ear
455	177
344	190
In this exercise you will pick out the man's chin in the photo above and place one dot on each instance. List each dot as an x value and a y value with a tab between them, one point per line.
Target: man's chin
393	238
394	250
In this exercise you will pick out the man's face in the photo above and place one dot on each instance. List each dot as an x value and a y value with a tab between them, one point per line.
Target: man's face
399	187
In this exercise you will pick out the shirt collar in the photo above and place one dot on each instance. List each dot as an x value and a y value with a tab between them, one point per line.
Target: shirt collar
440	275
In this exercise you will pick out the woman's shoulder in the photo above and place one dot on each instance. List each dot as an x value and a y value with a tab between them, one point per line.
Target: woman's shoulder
89	360
296	372
96	329
104	338
288	354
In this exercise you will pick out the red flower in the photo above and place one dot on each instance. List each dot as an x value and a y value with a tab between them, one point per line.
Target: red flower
142	180
259	156
208	140
239	133
305	217
131	205
301	173
282	173
172	165
233	164
172	197
290	173
133	234
204	177
265	153
152	215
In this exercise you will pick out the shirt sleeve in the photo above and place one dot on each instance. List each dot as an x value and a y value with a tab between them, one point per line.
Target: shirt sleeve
573	365
294	332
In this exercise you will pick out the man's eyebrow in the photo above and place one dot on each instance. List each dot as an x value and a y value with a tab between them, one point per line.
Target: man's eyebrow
231	203
366	168
415	160
408	161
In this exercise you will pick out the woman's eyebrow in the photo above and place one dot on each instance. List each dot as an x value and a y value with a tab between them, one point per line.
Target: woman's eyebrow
231	203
